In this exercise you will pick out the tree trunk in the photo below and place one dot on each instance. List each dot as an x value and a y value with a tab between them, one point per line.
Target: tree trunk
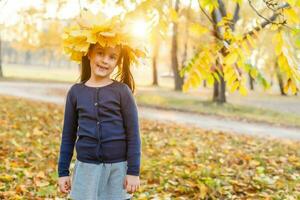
219	95
281	86
27	57
1	71
178	80
204	84
186	35
154	64
280	80
251	82
219	87
216	90
154	67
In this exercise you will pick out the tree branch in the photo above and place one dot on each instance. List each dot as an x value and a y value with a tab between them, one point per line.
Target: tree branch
236	15
206	14
271	6
222	8
267	21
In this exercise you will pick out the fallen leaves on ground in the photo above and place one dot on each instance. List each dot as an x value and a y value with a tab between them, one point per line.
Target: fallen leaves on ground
178	162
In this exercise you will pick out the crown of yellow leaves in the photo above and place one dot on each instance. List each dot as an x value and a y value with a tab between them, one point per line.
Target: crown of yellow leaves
108	32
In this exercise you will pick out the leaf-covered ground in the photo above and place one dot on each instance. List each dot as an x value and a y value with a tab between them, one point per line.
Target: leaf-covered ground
178	162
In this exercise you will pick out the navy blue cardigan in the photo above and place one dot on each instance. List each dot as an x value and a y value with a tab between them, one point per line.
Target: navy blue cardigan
104	120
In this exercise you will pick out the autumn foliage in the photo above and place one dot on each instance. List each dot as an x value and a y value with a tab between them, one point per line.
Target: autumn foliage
178	162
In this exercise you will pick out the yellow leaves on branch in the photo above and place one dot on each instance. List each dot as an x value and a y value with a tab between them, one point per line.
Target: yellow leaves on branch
238	50
200	69
203	67
233	66
286	63
209	5
231	58
292	16
198	29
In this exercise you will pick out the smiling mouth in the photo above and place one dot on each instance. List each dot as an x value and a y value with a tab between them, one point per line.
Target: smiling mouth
101	67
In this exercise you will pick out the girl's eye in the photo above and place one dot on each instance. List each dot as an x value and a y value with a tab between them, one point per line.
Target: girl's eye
112	57
99	53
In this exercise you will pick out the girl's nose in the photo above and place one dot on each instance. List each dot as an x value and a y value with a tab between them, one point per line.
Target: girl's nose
105	59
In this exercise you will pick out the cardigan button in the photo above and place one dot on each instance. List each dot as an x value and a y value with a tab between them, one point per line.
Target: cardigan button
95	103
98	123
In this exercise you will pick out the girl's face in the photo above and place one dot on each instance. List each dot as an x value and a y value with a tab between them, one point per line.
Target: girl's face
103	61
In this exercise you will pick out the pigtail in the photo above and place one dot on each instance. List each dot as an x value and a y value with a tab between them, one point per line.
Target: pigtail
124	70
85	68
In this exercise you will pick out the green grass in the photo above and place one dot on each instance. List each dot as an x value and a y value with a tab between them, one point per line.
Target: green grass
239	112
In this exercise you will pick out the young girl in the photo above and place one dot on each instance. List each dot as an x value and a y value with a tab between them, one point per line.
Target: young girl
103	114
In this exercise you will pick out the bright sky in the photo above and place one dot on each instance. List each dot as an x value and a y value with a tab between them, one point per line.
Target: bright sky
9	12
9	9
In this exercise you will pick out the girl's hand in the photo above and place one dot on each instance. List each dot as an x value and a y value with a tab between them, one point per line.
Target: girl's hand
131	183
64	184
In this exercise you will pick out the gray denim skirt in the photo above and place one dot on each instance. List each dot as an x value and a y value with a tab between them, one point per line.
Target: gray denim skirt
102	181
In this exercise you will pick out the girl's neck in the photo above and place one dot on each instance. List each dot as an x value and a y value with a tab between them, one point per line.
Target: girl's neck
98	81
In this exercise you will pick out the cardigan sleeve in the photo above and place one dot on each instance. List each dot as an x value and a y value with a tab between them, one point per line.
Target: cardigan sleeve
69	134
131	123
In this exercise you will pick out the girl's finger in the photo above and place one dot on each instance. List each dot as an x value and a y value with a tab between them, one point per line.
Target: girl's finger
133	188
129	188
62	189
69	183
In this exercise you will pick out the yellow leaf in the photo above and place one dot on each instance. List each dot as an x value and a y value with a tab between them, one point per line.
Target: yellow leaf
250	40
274	27
231	58
292	2
277	41
243	91
245	47
234	86
185	87
195	80
292	16
286	87
278	49
232	78
203	190
5	178
41	183
276	38
282	62
41	174
91	38
197	29
294	88
210	80
173	15
253	73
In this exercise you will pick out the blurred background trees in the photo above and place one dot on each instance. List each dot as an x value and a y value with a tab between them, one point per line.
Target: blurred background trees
223	45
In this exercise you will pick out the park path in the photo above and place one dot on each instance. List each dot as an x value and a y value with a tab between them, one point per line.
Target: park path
48	92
